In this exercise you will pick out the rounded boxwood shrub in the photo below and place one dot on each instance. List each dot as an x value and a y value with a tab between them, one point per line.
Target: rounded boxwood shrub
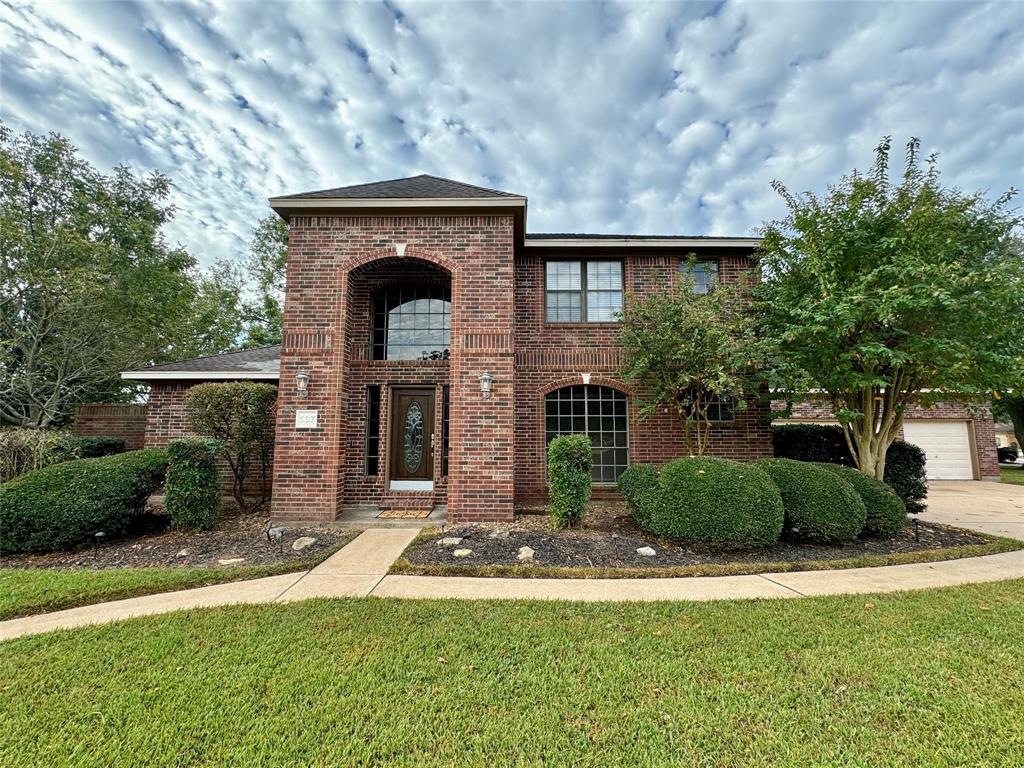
887	514
63	505
904	462
821	507
570	458
640	488
716	501
192	488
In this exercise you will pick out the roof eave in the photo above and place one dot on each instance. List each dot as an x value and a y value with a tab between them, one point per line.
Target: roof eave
679	242
145	375
286	203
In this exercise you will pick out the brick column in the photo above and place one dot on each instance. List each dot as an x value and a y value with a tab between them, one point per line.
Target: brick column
307	462
482	430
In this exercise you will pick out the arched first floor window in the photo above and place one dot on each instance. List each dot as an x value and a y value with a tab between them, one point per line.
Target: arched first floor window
599	413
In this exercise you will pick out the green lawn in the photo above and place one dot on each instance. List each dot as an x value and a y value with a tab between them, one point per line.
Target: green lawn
1013	475
25	591
927	678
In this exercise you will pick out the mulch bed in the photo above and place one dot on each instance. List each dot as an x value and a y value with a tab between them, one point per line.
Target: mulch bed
610	539
154	544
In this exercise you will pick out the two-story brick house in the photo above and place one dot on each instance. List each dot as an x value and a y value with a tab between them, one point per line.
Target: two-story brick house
431	348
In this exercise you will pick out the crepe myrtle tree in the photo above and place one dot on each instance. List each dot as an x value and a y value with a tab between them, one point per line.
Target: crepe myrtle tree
240	415
880	293
686	350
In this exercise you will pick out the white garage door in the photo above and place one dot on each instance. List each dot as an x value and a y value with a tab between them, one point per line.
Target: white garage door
947	446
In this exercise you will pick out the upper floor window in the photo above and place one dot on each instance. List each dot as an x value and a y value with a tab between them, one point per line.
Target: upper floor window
704	274
411	322
582	291
718	408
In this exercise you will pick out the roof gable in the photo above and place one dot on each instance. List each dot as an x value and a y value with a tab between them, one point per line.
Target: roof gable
423	186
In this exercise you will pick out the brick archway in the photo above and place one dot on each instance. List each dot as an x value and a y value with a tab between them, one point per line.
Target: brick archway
576	380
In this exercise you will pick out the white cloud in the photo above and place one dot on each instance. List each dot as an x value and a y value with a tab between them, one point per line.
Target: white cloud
653	117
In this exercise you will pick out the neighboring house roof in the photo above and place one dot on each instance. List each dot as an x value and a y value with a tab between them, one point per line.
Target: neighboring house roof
261	363
1002	427
423	186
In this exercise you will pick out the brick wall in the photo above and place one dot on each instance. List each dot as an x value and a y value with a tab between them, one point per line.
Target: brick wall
553	355
100	420
334	261
977	415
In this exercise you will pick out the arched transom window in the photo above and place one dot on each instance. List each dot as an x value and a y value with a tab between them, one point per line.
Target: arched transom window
411	322
598	412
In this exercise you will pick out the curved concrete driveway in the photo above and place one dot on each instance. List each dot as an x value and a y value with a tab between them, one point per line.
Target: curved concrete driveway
360	570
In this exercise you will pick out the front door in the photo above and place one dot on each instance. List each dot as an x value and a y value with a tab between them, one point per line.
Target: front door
412	434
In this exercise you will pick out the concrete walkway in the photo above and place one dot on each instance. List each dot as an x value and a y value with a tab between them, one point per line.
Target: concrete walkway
353	571
359	570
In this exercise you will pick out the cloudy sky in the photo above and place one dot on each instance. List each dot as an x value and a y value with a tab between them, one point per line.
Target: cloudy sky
646	117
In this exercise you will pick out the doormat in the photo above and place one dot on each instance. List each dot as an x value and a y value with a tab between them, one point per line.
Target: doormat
405	514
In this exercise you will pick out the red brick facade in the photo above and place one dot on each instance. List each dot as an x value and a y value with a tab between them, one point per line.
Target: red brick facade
978	416
334	263
497	303
124	421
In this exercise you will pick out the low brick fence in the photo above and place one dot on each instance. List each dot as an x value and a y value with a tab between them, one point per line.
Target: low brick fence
105	420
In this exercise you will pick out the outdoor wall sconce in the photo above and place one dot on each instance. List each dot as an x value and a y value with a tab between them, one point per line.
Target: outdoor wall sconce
302	383
485	384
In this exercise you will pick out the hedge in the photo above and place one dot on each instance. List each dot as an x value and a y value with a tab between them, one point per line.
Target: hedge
904	462
821	507
192	488
714	501
570	458
640	488
64	505
91	447
887	514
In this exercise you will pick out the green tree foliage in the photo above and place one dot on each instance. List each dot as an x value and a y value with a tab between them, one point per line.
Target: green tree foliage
88	284
685	350
265	265
884	293
1011	407
240	414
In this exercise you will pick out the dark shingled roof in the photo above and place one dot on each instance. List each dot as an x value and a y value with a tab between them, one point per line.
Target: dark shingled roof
422	186
260	360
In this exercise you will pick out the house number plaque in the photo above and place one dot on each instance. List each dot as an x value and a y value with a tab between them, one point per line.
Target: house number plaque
307	419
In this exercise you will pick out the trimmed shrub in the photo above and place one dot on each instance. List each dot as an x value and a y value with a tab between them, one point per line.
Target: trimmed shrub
91	447
640	488
716	501
569	463
820	506
887	514
905	474
63	505
904	462
192	488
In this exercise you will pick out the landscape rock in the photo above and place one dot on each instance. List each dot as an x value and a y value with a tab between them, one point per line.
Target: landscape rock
184	553
302	543
500	533
462	552
646	552
231	560
451	541
525	553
